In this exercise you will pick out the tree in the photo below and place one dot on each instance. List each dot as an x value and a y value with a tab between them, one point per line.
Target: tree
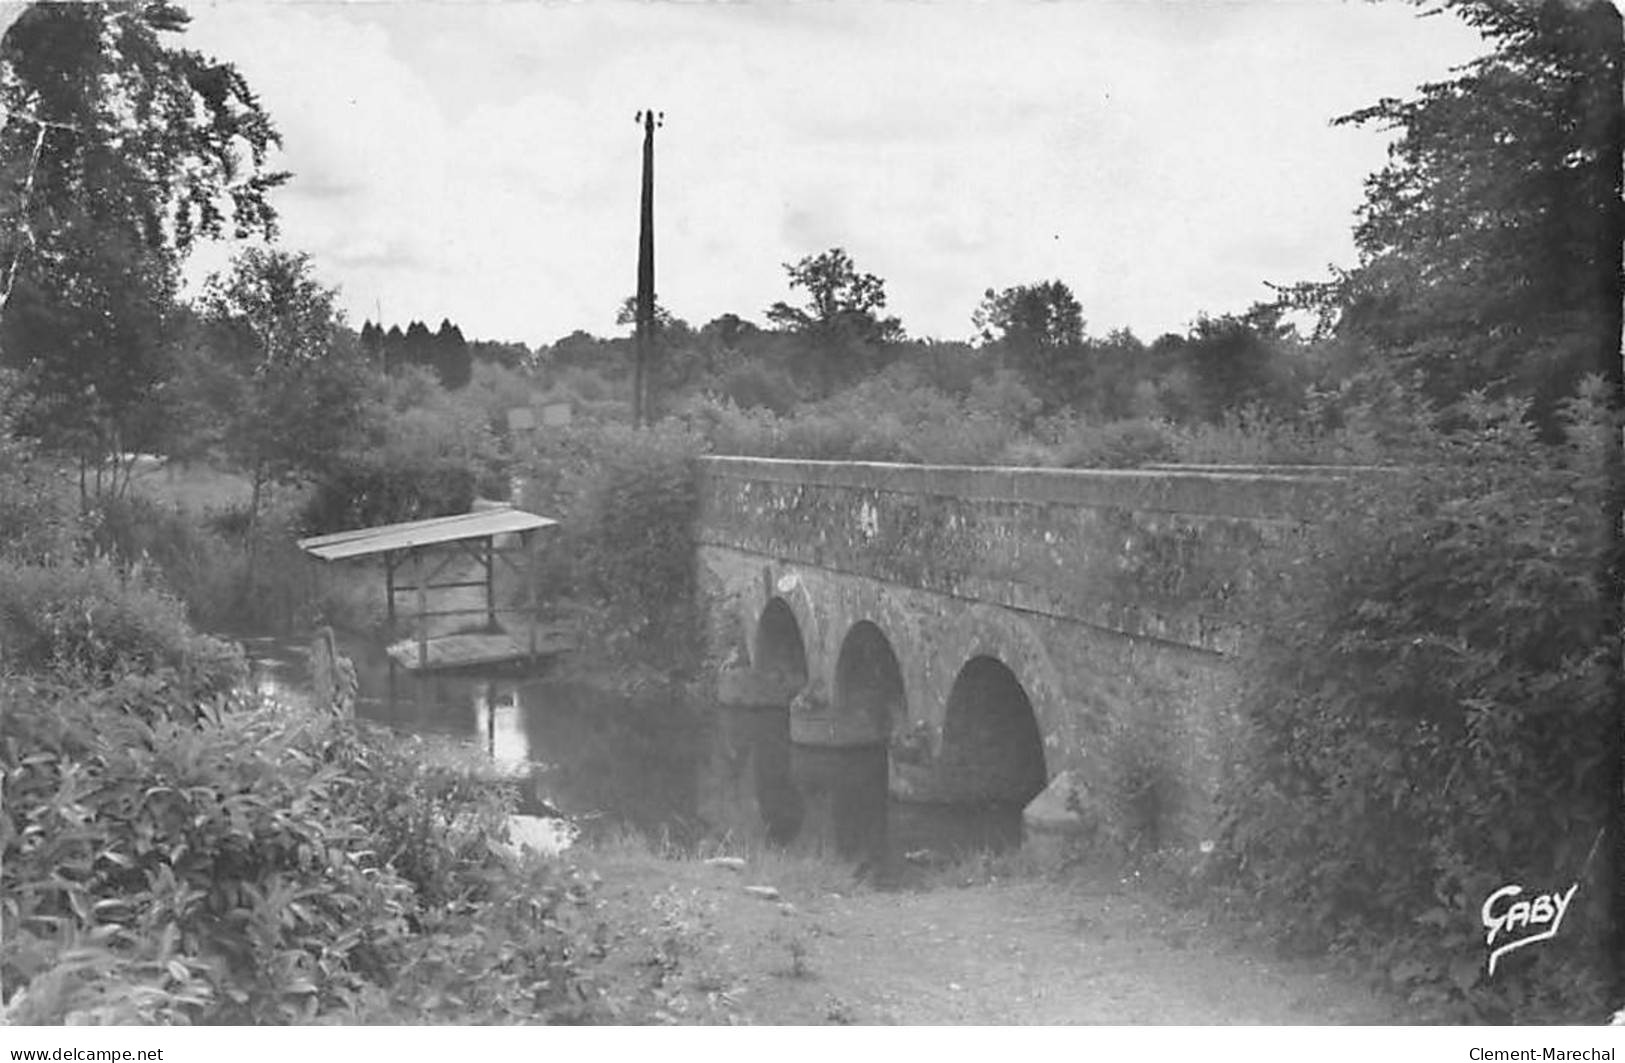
372	340
841	320
508	354
727	331
452	362
1237	361
1040	328
297	375
627	314
676	358
418	346
1489	245
119	152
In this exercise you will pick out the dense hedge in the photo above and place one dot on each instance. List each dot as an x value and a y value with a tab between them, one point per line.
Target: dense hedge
1433	714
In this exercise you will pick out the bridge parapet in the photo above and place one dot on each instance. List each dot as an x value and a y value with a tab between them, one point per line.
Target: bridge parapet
1164	554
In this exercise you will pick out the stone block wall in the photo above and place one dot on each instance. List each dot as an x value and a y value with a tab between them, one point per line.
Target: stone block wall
1115	598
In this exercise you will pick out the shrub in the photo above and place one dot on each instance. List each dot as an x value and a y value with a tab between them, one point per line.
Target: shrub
94	623
374	489
229	572
431	454
633	529
1431	717
1253	436
37	517
260	867
752	384
1117	445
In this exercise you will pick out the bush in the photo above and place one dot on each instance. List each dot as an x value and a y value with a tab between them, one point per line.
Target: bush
373	489
430	455
230	573
633	529
94	623
751	384
37	516
1253	436
1431	716
1117	445
261	867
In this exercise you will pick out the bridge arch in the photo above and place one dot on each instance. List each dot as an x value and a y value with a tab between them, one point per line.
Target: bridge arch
992	749
781	648
869	698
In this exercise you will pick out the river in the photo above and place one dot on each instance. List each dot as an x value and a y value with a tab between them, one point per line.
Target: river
681	775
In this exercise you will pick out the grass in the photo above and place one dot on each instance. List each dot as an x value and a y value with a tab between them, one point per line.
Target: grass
196	488
792	874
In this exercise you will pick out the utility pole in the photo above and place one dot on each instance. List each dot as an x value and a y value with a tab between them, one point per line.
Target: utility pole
646	269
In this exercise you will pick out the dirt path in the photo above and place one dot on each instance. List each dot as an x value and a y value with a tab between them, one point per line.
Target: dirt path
693	945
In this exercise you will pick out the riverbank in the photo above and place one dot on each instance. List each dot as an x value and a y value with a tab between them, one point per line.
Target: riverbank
789	941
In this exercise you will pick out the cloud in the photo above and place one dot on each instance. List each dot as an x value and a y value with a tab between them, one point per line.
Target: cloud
480	161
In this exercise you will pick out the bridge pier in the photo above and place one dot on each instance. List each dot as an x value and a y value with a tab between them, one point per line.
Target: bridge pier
744	687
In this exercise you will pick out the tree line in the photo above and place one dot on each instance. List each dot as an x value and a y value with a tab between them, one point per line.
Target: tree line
120	151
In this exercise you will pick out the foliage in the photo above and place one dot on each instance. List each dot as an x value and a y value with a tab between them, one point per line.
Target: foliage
262	867
37	522
841	320
94	623
751	385
388	488
230	574
1253	436
1237	361
444	351
1079	444
1135	789
1517	158
427	453
294	385
124	150
633	528
1040	328
1431	716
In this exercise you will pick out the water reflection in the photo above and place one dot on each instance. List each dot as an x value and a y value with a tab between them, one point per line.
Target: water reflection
500	722
667	770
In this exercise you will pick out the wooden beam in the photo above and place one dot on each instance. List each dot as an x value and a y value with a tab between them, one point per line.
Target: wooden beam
473	610
454	585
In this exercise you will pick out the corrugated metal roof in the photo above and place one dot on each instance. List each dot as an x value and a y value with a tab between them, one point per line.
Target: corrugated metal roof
364	542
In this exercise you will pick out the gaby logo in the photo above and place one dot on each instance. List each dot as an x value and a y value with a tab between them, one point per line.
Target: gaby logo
1522	922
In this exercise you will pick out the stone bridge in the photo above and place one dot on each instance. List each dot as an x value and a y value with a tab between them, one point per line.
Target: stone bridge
1005	635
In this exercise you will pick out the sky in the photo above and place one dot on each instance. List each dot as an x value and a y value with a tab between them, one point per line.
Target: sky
479	161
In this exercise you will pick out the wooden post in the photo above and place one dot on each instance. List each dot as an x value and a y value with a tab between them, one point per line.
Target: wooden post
490	583
389	589
490	720
528	541
423	607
